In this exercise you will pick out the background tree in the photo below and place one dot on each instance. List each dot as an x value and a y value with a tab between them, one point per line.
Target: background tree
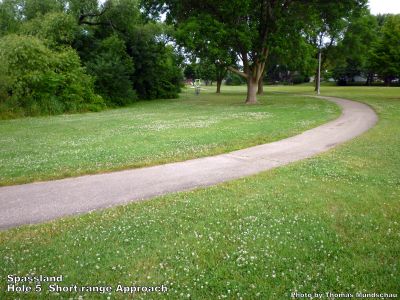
386	53
190	71
234	79
206	71
10	17
328	20
352	56
290	60
157	72
56	29
112	68
247	27
31	9
197	36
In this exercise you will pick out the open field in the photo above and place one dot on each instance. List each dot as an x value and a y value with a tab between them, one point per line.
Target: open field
327	224
150	133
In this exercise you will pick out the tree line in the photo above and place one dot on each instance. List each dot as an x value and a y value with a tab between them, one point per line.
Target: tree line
280	40
71	55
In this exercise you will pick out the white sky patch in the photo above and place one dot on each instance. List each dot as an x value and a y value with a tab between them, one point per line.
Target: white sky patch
384	6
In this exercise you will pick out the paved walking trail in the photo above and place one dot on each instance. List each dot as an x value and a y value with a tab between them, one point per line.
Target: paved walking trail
39	202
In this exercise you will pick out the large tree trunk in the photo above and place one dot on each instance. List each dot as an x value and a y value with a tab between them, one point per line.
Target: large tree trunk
252	79
252	74
252	86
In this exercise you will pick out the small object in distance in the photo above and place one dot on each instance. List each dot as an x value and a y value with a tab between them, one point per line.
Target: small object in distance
197	86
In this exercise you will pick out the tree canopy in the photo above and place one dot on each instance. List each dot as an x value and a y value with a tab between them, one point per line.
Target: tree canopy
124	52
386	52
251	27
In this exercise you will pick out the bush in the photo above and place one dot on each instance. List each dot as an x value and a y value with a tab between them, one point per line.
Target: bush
37	80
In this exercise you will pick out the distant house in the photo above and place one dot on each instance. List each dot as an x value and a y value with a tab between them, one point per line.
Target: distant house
358	78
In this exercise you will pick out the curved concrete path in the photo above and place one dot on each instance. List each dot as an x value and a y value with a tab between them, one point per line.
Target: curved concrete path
39	202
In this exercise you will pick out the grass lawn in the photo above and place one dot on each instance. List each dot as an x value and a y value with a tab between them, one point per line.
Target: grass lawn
151	133
327	224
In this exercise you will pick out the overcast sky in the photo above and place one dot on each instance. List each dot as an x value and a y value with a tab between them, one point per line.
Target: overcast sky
384	6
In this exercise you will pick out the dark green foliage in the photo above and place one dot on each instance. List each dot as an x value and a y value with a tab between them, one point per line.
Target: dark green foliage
249	28
31	9
121	52
198	36
300	78
112	68
327	26
290	61
157	72
56	29
370	48
234	79
190	71
204	69
122	16
36	80
386	54
77	8
9	17
352	56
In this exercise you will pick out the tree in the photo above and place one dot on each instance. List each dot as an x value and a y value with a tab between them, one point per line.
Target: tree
206	71
386	53
234	79
112	68
190	71
31	9
290	58
56	29
352	56
198	37
247	27
244	26
87	12
328	22
156	72
157	67
10	17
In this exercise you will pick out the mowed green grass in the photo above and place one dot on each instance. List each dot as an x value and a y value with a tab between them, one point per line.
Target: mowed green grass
327	224
151	133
